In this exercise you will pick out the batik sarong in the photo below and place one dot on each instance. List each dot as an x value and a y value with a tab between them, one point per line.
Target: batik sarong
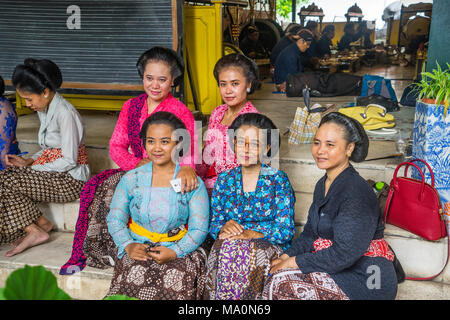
99	247
237	269
21	188
179	279
292	284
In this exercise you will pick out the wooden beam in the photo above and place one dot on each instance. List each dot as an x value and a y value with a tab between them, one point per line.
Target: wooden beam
86	85
174	25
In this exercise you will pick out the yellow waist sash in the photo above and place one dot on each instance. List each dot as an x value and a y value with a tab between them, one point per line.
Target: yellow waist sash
153	236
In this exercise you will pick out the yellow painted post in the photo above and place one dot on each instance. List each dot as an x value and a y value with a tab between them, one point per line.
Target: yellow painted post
202	39
21	108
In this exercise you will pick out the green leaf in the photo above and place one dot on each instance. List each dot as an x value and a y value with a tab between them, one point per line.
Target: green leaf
33	283
2	297
119	297
440	96
284	7
429	75
435	85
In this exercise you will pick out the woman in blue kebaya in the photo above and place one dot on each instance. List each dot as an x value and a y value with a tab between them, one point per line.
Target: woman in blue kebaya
157	230
252	213
8	123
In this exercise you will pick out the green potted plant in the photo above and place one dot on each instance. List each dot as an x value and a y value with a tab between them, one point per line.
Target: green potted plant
431	136
434	87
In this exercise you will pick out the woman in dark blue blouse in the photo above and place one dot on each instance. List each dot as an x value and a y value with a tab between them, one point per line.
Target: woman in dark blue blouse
252	213
341	253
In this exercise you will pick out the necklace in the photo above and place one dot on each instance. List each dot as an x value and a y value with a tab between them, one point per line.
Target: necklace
230	115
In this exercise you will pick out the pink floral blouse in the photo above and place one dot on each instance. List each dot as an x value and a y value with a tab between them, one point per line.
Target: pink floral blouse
119	143
217	155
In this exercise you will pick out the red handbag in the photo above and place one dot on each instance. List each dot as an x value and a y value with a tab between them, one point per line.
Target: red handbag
415	206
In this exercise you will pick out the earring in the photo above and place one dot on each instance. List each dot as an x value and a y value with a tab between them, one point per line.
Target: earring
248	90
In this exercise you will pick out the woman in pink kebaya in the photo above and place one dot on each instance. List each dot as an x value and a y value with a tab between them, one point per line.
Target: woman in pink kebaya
160	69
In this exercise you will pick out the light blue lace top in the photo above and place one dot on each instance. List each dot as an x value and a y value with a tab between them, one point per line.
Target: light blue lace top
157	210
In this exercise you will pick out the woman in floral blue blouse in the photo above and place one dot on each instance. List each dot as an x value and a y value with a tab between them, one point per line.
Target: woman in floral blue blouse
252	213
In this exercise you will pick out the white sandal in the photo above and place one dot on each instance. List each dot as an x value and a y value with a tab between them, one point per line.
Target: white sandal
383	131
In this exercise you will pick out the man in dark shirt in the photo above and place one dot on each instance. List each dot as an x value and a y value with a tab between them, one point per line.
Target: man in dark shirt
365	34
251	46
312	26
288	39
325	43
289	60
350	35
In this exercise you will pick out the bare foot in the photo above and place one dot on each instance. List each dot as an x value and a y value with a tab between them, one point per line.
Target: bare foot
44	224
35	235
18	241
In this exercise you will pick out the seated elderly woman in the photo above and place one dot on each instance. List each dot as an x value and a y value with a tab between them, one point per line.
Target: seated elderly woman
252	213
8	123
341	253
157	230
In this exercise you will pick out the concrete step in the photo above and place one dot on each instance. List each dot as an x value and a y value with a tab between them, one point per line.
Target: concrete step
297	162
304	174
423	290
63	215
90	284
299	165
419	257
93	284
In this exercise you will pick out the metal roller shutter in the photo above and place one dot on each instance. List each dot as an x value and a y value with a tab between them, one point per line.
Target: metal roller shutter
105	47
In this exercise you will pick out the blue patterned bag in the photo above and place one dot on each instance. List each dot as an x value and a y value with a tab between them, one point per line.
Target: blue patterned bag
377	85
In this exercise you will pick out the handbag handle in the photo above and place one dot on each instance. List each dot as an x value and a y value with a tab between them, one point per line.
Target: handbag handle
429	168
394	183
364	115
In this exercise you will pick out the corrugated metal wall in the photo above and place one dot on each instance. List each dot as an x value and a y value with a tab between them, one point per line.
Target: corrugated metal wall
105	49
439	46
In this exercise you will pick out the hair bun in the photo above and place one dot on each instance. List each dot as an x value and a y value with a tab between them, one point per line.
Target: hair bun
166	55
34	75
30	62
249	67
361	149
